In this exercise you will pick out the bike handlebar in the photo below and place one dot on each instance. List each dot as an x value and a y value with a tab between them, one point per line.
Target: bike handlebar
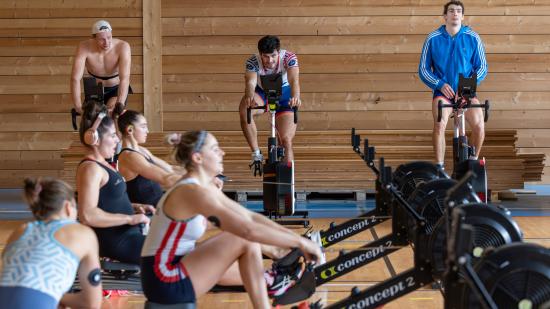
74	113
456	106
249	113
487	107
439	109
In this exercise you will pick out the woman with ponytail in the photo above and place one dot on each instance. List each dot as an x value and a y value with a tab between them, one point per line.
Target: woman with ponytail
102	199
42	257
146	175
174	269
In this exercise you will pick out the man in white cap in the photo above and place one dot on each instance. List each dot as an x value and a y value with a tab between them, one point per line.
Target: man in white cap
108	60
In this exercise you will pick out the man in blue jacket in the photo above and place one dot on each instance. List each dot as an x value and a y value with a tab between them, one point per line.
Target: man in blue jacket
451	50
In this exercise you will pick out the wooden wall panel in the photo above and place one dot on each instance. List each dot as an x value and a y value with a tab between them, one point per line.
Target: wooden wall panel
49	65
354	25
352	101
50	103
48	84
347	44
176	8
352	82
13	178
31	160
152	64
75	8
534	138
340	120
64	27
21	140
31	122
47	47
362	63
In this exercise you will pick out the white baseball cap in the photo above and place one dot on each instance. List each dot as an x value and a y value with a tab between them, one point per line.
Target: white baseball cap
101	26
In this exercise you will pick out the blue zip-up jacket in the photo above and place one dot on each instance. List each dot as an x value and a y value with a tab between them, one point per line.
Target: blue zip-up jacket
444	57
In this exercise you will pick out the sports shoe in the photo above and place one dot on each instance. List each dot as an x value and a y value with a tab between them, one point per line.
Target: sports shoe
256	165
284	281
113	293
257	157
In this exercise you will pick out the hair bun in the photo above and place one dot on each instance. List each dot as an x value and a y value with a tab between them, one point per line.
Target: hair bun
173	139
32	190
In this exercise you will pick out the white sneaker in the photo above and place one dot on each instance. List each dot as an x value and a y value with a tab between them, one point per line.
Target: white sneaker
256	165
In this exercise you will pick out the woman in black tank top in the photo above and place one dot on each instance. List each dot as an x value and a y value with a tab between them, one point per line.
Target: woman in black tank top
102	200
145	174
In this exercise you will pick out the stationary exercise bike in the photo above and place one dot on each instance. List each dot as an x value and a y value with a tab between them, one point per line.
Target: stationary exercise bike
462	151
278	175
92	91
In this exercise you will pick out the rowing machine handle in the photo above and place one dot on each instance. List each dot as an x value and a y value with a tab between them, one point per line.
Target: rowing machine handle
487	107
248	115
295	108
439	108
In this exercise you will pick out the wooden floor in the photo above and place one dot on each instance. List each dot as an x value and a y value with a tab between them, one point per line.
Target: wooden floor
535	229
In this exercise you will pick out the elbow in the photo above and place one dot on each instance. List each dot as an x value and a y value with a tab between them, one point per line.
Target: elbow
86	219
75	80
168	181
124	79
248	232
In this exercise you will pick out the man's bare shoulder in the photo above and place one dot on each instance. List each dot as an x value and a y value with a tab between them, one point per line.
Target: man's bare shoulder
120	44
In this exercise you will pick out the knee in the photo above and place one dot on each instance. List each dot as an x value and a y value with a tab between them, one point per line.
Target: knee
286	141
478	128
439	127
253	247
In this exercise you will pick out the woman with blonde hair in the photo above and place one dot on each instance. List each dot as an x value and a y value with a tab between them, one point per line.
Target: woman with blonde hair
174	270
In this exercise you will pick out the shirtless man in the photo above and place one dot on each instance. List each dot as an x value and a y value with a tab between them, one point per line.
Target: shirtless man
108	60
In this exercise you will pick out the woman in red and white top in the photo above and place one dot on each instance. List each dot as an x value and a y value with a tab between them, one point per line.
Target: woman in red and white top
174	270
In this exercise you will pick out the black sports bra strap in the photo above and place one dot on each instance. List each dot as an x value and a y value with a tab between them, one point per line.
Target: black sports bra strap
129	149
98	163
133	150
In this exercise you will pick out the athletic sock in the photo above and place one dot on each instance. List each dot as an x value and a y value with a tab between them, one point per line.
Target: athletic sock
269	277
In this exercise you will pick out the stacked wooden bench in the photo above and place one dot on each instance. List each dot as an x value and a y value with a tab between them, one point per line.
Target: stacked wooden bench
325	162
